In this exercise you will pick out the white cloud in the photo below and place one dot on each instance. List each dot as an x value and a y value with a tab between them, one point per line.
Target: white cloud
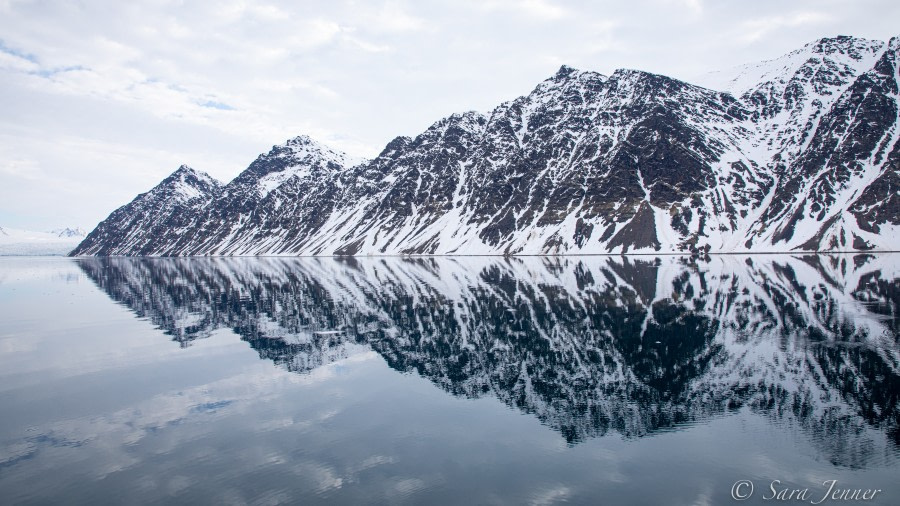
267	11
392	17
538	9
312	34
9	61
694	6
295	84
543	9
755	29
12	166
368	46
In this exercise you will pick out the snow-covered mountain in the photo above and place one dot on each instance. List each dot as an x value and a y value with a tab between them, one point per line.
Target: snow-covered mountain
799	153
589	345
69	232
29	243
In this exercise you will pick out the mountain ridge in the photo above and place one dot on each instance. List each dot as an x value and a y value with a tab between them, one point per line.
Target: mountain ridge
805	159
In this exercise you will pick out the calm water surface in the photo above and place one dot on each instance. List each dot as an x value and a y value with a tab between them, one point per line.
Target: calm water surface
595	380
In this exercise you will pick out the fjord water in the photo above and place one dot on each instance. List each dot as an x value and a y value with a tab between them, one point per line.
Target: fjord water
614	380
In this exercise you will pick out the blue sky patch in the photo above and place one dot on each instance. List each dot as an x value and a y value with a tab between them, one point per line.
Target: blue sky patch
212	104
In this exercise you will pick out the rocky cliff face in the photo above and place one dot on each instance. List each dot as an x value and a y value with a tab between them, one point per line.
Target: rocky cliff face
794	154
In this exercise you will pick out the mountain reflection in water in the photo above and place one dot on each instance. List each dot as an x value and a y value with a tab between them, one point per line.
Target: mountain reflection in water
588	345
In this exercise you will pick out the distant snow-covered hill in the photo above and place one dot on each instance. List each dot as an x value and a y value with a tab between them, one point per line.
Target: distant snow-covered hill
30	243
799	153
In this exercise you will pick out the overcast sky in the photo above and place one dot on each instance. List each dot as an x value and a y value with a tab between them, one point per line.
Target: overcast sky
101	100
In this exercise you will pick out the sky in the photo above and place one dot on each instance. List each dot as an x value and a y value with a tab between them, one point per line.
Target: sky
99	101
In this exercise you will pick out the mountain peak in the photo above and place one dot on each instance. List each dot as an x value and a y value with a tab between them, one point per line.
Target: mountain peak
190	175
647	84
396	145
182	172
69	232
625	73
305	147
815	60
566	80
472	121
302	140
894	43
565	71
187	183
843	44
